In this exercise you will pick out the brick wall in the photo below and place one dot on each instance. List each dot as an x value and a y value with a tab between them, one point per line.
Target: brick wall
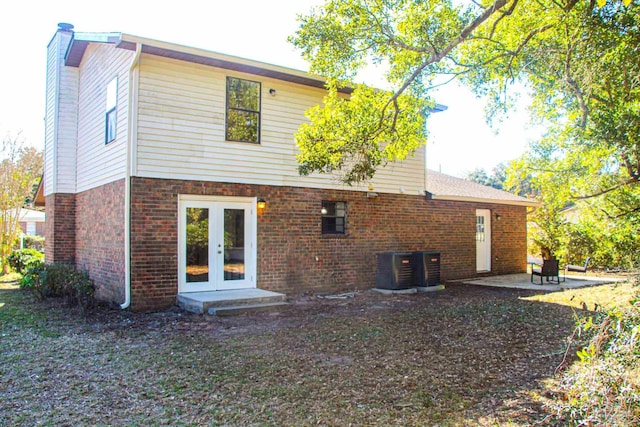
60	228
99	228
294	257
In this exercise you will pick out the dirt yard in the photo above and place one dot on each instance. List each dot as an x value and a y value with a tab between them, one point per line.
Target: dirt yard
467	355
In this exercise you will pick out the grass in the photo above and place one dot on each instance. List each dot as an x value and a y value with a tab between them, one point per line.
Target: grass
598	297
464	356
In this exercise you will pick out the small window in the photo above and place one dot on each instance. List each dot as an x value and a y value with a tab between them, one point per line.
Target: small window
243	110
112	103
334	217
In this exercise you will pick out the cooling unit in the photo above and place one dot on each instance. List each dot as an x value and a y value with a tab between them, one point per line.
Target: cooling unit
395	270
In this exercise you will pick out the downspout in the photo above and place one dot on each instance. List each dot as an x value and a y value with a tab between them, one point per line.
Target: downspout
132	127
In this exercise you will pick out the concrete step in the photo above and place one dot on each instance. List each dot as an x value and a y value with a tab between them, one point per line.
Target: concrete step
208	302
243	309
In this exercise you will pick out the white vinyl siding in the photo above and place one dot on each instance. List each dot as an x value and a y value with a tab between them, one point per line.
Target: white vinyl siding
181	131
53	56
99	164
61	119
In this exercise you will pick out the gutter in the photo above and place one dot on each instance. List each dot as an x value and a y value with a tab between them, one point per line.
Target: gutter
132	127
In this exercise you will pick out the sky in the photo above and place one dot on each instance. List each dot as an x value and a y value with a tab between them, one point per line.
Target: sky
459	142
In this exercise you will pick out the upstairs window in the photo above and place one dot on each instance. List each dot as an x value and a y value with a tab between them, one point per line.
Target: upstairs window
334	217
243	110
112	103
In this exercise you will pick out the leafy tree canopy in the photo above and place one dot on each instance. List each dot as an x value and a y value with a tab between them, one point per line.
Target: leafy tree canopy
578	58
20	169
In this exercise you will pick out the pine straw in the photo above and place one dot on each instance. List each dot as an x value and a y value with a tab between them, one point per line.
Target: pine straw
463	356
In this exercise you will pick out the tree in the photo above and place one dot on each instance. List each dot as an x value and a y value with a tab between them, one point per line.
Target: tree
21	168
495	180
579	58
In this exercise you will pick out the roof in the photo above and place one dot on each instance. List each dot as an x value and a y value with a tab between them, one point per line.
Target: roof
80	41
31	215
445	187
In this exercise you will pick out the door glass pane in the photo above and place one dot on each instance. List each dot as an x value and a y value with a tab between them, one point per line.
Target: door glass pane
480	228
234	244
197	245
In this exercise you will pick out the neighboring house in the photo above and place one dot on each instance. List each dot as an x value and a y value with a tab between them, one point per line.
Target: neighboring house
32	222
571	214
170	169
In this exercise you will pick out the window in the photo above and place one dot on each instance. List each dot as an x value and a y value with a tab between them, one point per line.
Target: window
243	110
334	217
112	102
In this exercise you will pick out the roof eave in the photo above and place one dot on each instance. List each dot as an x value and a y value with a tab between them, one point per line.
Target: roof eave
80	42
529	203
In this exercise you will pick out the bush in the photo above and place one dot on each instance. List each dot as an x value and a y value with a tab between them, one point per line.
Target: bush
603	387
60	280
33	242
22	259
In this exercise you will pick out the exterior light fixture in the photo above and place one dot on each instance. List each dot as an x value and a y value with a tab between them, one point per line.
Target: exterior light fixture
272	92
262	203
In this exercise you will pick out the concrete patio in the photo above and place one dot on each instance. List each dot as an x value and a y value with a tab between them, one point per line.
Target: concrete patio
523	281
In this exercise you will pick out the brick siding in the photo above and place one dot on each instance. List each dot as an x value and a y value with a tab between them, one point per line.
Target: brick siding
99	230
60	228
294	257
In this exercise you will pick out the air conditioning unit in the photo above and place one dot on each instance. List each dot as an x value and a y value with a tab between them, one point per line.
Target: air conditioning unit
427	265
395	270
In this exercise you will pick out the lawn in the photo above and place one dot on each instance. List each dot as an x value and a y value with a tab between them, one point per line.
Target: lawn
467	355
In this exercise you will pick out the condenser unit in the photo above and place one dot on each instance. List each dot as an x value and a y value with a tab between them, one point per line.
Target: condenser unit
395	270
427	264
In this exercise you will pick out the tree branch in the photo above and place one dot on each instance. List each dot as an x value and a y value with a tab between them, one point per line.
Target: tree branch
436	57
605	191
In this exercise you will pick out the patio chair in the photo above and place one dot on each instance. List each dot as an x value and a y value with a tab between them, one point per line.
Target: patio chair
578	268
550	269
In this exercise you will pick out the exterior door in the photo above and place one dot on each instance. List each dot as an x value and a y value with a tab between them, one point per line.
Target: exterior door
483	240
217	244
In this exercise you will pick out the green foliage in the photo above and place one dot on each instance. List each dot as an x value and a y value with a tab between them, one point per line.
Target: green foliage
21	260
33	242
577	59
20	169
603	387
496	179
60	280
353	137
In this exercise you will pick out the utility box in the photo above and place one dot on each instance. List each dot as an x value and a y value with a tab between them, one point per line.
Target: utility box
395	270
427	268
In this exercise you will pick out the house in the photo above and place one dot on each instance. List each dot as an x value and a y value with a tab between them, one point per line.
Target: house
171	170
32	222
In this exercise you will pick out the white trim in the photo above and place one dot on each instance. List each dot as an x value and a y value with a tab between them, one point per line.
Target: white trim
481	200
231	199
251	235
131	129
486	213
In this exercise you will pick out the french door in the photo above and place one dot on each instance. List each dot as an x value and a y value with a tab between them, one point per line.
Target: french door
217	243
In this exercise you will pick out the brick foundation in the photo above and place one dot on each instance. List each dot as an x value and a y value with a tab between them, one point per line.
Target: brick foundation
99	228
294	257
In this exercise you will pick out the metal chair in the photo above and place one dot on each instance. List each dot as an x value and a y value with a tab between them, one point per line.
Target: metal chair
578	268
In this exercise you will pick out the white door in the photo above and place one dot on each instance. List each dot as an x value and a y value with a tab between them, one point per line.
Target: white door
217	243
483	240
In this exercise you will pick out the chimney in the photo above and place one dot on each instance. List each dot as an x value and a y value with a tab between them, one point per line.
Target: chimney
65	27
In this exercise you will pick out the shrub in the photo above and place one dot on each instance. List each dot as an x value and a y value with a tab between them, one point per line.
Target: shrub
22	259
60	280
33	242
603	387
